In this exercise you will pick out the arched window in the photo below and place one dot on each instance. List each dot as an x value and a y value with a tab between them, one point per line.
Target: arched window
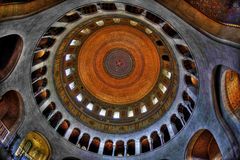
165	133
39	85
191	81
40	56
70	17
108	6
145	146
94	146
84	141
156	141
188	100
108	148
74	136
89	9
39	73
159	43
203	146
183	112
54	120
10	50
133	9
41	97
153	18
190	66
184	51
62	129
54	31
166	58
119	150
131	147
176	123
49	109
45	43
170	31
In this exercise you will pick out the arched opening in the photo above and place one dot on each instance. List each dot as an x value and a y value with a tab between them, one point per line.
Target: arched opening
74	136
34	145
11	113
54	120
70	17
188	101
231	92
145	147
203	146
45	43
191	81
131	147
190	66
39	73
165	133
39	85
183	112
176	123
84	141
89	9
153	18
184	51
108	6
62	129
54	31
10	49
43	96
170	31
133	9
40	56
159	43
119	150
94	146
156	141
108	148
166	58
49	109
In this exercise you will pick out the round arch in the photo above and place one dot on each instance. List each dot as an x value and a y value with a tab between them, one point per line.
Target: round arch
34	145
11	47
11	113
203	145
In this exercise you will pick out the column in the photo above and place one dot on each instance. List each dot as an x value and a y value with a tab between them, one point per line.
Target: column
150	143
89	142
137	147
125	150
170	130
101	147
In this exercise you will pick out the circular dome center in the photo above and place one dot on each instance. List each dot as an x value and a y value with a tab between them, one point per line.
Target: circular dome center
118	63
114	79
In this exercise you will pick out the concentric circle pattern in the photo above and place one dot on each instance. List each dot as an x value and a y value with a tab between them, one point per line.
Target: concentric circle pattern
124	75
116	68
118	63
138	48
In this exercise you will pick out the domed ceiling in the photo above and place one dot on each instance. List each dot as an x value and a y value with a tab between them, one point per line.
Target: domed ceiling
119	79
115	71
